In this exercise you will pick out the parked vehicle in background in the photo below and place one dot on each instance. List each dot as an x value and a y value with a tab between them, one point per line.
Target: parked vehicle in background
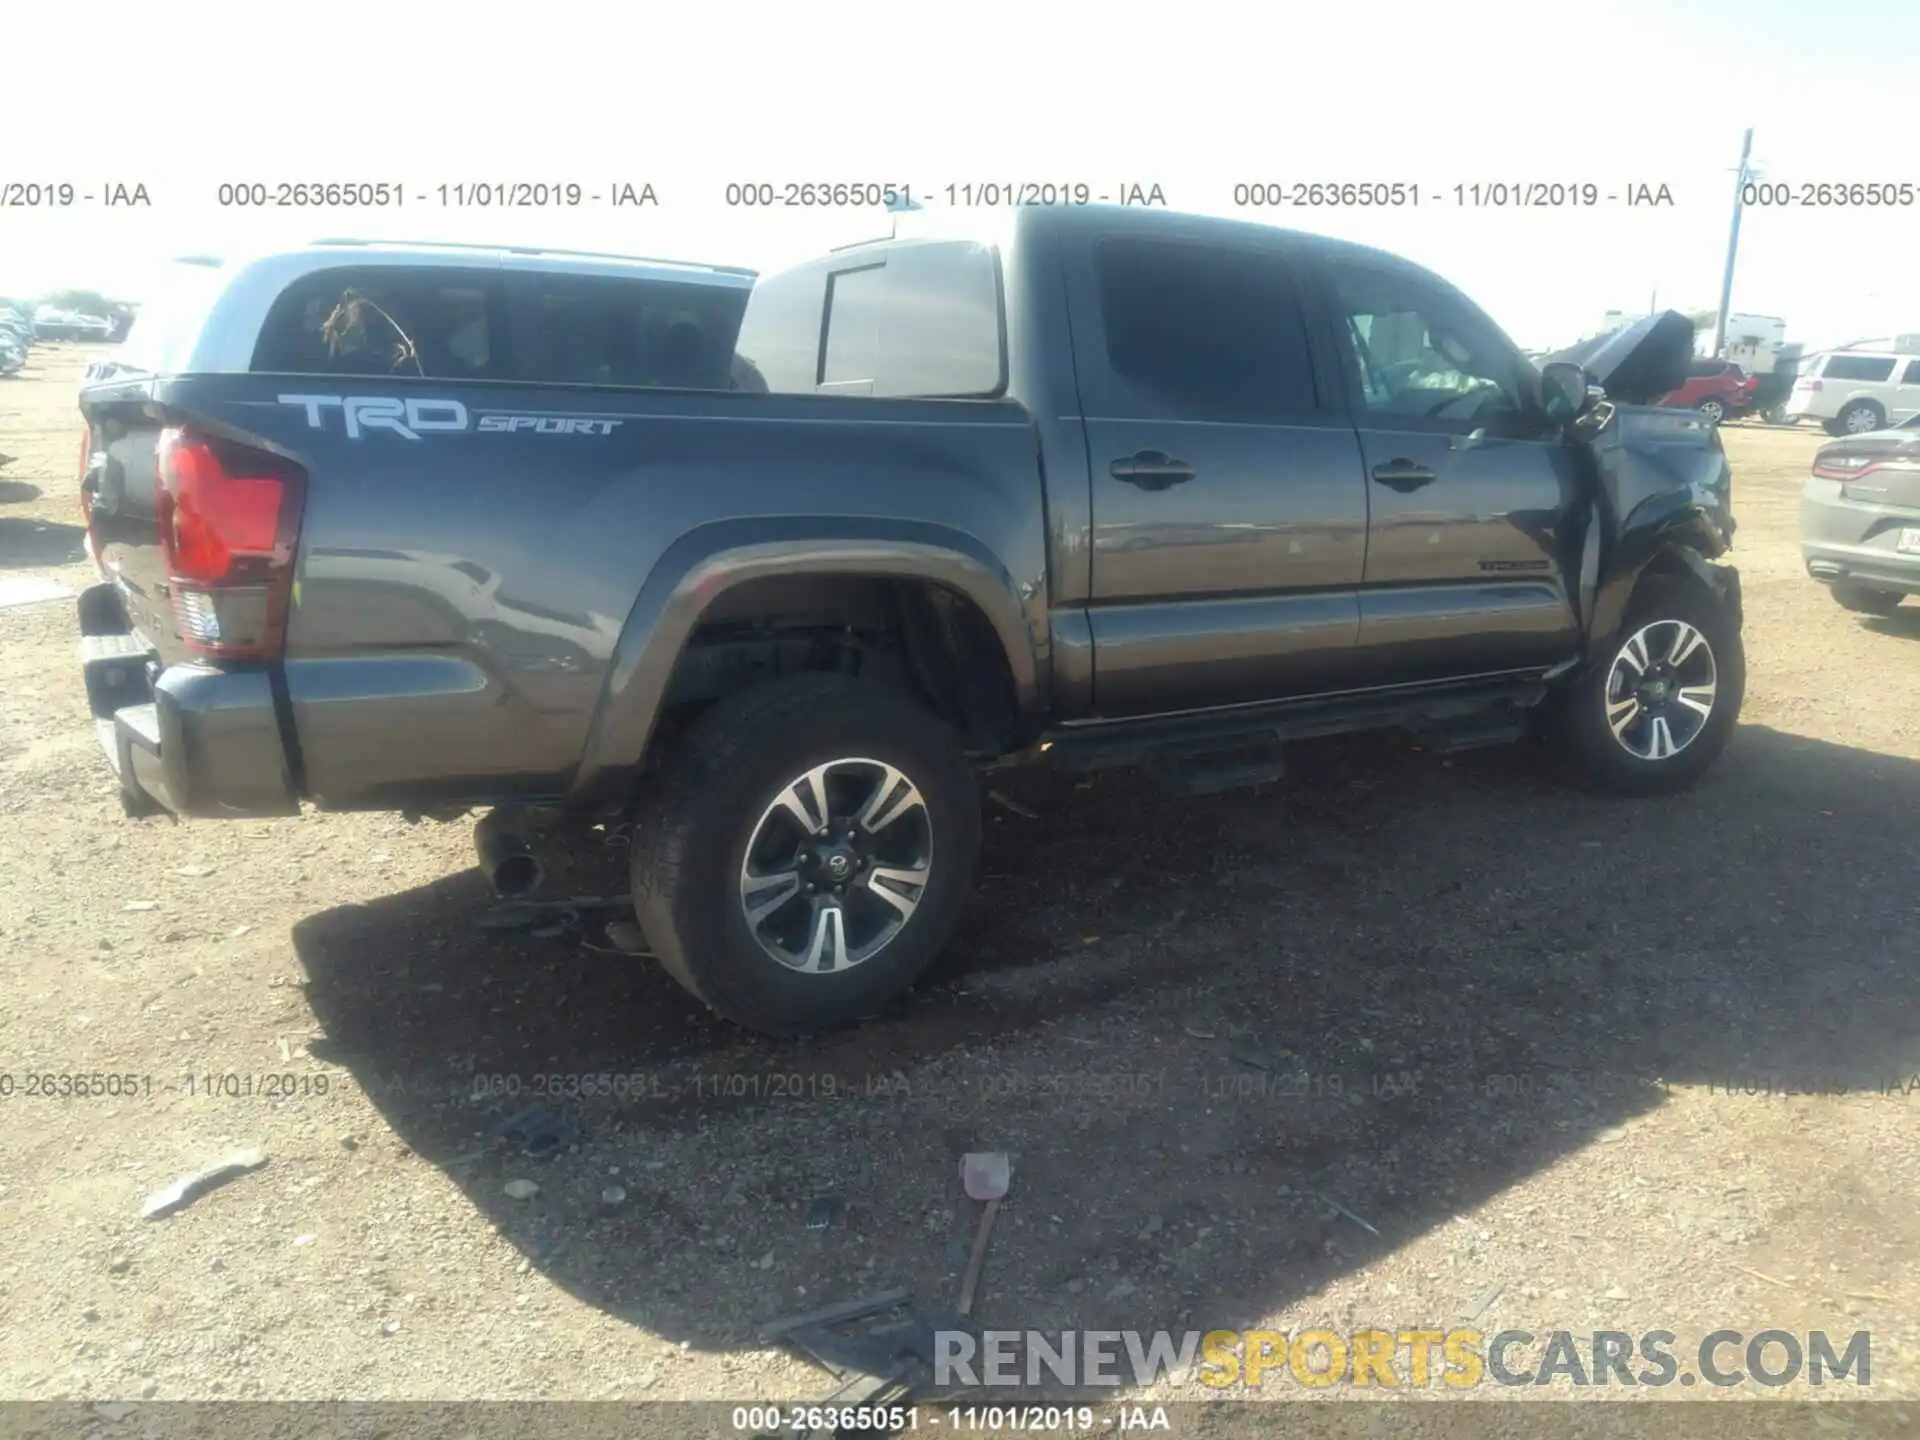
1718	389
13	354
1860	518
52	324
1753	342
406	531
1855	392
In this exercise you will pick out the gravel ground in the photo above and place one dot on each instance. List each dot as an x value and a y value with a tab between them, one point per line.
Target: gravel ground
1493	1018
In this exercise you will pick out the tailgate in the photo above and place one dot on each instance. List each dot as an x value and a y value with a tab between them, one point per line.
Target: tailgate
119	490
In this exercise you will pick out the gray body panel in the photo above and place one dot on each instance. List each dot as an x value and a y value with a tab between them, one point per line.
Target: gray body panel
485	616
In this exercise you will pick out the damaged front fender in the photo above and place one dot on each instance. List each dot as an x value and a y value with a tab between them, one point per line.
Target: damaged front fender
1662	500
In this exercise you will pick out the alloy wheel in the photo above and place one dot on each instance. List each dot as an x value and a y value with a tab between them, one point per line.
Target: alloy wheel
837	865
1712	411
1660	689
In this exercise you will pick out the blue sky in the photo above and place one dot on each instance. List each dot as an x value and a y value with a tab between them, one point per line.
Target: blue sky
1195	98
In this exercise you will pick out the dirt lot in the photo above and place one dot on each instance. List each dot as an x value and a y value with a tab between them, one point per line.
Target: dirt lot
1491	1017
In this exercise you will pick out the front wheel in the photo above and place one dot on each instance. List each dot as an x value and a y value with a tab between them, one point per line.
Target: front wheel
806	853
1655	711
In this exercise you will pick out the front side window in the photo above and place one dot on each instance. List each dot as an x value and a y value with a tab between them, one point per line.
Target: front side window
1418	353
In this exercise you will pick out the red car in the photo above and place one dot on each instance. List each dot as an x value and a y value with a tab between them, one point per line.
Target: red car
1718	389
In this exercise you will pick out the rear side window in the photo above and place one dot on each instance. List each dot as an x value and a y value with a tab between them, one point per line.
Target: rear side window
1911	376
607	330
1212	332
480	324
425	323
1857	367
917	318
1703	369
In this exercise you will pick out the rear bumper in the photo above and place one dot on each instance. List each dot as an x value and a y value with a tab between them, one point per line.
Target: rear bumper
188	740
1861	565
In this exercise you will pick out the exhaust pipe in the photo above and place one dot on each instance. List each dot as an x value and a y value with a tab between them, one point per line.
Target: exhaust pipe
506	855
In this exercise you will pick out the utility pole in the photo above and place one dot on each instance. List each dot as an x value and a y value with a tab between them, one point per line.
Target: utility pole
1733	244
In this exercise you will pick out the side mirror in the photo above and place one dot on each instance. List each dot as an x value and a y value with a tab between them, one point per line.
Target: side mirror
1563	389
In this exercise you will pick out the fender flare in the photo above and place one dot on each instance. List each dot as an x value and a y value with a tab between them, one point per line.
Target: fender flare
711	559
1678	532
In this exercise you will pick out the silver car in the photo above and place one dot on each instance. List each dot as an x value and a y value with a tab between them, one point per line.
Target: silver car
1860	518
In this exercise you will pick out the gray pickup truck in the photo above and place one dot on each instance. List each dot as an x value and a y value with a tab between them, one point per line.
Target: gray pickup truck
427	530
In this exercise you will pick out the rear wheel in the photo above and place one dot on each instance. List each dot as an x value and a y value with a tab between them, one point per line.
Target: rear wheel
1857	419
1711	411
1867	600
806	853
1655	712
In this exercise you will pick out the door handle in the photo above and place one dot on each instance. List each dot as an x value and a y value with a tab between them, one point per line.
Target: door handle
1151	470
1403	475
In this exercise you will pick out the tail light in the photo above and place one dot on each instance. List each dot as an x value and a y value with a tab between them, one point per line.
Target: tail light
1812	387
229	518
1854	467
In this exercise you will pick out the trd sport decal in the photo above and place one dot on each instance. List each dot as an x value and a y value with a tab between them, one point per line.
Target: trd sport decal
413	419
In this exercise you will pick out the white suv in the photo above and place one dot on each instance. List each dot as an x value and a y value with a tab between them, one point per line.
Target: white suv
1855	391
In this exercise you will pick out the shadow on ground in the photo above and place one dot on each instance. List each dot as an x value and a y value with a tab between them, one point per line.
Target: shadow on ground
1904	623
17	492
1402	982
26	543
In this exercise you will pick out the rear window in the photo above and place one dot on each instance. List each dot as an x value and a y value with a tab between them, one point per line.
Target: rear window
1857	367
917	318
482	324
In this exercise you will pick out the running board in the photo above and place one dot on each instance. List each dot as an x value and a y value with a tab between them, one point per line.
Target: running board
1215	750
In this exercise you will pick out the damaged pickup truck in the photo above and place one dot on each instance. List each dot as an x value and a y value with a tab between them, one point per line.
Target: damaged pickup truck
441	530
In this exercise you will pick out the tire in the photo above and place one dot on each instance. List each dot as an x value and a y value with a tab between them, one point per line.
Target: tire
1711	411
1629	763
1858	418
1866	600
1776	415
719	798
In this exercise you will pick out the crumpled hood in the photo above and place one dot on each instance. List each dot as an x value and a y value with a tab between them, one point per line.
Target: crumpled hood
1638	363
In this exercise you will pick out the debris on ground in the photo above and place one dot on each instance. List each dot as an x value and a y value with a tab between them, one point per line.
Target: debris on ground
189	1188
985	1174
823	1213
1346	1212
1006	802
539	1132
521	1189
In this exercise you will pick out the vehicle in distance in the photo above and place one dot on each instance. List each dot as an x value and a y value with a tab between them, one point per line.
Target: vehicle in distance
1718	389
54	324
1854	392
429	532
1860	518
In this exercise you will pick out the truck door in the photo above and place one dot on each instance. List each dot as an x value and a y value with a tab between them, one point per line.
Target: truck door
1470	487
1229	512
